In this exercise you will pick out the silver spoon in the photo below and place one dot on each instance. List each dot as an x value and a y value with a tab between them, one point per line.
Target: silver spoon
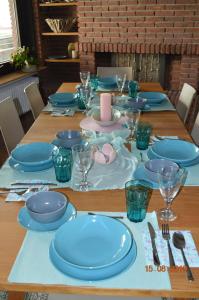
179	243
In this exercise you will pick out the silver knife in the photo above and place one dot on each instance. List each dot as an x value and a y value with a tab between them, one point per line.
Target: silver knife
155	252
33	183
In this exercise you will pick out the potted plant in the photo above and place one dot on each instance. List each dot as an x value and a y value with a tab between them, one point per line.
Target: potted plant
22	60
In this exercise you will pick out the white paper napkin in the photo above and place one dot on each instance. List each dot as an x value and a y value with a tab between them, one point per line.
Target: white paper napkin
190	250
14	197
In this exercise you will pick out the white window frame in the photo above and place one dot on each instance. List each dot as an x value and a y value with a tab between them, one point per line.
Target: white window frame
15	27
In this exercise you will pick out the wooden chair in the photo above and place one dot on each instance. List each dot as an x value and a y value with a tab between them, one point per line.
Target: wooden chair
35	99
10	123
195	131
185	99
110	71
3	149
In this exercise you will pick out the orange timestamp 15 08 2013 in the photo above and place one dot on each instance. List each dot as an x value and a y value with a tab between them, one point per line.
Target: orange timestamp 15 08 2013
163	268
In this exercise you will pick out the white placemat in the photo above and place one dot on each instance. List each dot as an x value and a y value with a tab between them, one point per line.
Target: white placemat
27	269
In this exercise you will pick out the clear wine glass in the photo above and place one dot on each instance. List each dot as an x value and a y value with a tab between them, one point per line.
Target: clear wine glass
83	159
132	117
170	180
85	78
121	80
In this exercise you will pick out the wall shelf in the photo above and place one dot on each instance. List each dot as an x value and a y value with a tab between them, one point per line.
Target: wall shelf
60	33
66	60
58	4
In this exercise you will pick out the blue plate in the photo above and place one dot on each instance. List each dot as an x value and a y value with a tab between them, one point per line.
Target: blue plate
26	221
61	98
141	174
176	150
153	97
107	82
153	155
93	274
93	244
18	167
34	154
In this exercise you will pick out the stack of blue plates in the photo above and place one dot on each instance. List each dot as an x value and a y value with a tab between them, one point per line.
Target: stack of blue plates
107	82
62	99
32	157
153	98
92	251
182	152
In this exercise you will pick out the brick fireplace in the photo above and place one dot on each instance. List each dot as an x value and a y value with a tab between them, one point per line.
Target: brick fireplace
142	27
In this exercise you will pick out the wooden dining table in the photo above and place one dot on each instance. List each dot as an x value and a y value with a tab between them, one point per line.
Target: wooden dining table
186	205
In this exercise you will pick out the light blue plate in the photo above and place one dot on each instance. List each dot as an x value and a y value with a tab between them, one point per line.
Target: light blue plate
152	155
34	154
141	174
61	98
153	97
92	274
93	244
176	150
18	167
26	221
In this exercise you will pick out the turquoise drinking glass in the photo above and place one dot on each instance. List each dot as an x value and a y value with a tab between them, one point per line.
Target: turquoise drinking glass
138	194
133	89
143	133
62	161
94	82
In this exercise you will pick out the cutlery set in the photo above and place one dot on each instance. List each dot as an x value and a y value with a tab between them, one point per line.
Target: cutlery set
178	241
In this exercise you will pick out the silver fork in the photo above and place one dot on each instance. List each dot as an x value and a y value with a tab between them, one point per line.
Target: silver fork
166	236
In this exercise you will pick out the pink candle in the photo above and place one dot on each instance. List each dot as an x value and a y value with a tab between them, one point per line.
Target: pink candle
105	107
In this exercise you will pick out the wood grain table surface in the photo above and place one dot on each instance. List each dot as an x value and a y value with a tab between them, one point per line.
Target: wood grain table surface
186	205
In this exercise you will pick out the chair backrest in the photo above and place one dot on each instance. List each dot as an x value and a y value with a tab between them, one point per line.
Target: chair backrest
195	130
35	99
185	100
10	123
109	71
3	149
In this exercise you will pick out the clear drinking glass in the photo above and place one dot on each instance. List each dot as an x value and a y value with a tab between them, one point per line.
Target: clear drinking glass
170	180
83	159
121	80
132	118
85	98
85	77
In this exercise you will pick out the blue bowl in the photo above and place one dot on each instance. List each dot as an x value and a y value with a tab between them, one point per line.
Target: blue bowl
34	154
89	273
107	82
61	98
46	207
153	97
176	150
154	166
93	244
69	138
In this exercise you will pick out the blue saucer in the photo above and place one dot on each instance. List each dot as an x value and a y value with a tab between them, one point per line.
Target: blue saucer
18	167
26	221
140	174
64	105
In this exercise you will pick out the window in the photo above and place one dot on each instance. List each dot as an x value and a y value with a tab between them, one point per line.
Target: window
9	34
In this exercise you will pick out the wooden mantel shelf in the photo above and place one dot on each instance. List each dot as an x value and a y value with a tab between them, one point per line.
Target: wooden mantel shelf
59	33
17	75
58	4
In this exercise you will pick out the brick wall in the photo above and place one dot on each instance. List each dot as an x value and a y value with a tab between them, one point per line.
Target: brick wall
165	26
142	26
